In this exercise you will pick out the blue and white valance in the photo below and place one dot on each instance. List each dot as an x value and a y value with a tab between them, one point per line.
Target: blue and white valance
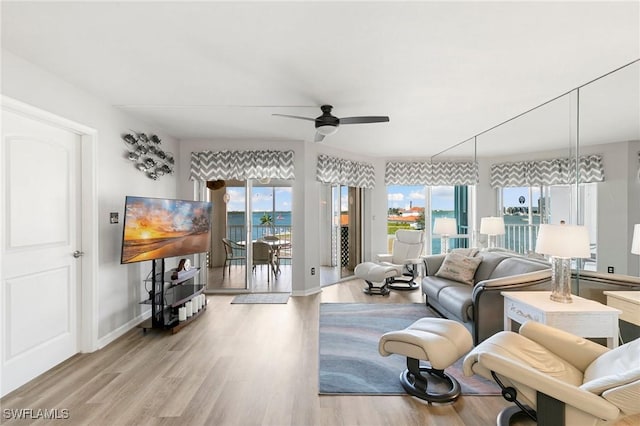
241	165
558	171
340	171
431	173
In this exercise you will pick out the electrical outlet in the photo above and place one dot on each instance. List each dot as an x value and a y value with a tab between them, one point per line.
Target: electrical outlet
313	271
610	269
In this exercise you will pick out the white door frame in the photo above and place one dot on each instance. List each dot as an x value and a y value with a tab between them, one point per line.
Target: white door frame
88	300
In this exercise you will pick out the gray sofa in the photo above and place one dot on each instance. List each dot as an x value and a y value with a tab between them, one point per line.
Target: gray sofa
480	306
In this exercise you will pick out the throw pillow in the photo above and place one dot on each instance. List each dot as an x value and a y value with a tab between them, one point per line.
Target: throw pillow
471	252
458	267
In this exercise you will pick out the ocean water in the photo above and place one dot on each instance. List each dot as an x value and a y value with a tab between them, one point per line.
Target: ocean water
281	223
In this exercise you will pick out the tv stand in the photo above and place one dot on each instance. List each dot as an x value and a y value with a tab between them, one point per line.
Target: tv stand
167	295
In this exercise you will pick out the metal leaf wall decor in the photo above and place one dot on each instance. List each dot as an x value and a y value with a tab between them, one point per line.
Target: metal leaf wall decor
146	154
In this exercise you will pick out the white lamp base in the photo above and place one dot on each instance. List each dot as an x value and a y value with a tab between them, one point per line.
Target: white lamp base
444	245
561	279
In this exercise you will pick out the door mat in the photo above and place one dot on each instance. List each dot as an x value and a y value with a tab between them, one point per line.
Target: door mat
258	298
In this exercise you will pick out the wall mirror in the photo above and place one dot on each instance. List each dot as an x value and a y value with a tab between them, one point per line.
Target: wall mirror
600	118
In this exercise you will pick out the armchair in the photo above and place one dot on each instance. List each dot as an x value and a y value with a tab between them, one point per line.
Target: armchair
405	258
557	378
397	270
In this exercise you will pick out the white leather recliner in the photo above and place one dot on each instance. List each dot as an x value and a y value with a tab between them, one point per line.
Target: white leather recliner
397	270
558	378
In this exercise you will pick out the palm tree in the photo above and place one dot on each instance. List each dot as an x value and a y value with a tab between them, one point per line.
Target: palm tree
266	220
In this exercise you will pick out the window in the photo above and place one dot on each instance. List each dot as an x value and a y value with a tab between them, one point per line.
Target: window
415	206
525	208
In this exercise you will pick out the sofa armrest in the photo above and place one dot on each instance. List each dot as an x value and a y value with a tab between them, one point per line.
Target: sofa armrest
512	282
575	350
611	279
592	285
488	303
432	263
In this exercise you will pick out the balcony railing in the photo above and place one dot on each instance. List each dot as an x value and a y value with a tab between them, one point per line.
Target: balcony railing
237	233
520	238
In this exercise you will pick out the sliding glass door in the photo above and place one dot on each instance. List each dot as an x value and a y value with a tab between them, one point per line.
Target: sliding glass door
233	264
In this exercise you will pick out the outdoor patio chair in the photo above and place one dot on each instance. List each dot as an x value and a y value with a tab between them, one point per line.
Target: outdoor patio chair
233	252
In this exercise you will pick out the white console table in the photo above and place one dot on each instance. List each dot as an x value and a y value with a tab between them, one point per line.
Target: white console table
583	317
628	302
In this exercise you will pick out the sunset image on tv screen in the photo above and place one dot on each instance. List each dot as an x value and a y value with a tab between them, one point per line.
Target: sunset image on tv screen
159	228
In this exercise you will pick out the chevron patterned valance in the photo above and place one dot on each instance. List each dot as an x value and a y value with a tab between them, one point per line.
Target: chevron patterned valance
242	165
559	171
431	174
340	171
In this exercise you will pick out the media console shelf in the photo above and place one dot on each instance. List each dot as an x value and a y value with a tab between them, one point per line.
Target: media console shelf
168	295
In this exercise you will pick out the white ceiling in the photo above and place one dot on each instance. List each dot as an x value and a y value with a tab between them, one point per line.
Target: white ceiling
443	72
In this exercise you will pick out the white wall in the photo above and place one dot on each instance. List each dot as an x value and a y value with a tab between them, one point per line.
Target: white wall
307	201
119	286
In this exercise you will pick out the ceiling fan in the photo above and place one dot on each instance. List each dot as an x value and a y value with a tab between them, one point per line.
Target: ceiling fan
327	124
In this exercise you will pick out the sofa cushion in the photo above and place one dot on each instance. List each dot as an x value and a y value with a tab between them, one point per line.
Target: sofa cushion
516	266
432	286
490	260
456	299
458	267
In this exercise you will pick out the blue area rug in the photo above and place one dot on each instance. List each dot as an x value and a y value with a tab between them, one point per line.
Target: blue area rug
349	359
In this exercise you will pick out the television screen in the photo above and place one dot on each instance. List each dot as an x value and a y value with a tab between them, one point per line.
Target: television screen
156	228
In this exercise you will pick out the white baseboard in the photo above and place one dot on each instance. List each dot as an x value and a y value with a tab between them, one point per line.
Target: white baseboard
307	292
123	329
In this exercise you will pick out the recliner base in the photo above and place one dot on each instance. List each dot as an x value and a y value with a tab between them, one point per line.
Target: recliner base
372	289
416	383
403	285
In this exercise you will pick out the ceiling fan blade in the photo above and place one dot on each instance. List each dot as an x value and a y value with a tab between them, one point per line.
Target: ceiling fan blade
357	120
319	137
295	116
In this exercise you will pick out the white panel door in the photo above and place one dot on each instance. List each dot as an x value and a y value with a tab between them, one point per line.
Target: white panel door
40	232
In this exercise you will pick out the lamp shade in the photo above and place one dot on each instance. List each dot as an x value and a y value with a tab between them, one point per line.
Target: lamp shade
563	241
492	226
445	226
635	243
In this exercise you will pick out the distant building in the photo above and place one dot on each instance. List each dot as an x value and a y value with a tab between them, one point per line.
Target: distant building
409	216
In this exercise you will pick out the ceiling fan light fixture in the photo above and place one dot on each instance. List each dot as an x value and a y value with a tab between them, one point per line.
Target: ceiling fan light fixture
327	129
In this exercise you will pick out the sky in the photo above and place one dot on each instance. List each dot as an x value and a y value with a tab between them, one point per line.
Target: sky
511	197
402	196
262	198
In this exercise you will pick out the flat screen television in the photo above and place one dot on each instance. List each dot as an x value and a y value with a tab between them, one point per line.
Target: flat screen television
157	228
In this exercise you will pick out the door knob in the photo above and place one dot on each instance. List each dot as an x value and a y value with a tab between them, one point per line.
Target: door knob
78	254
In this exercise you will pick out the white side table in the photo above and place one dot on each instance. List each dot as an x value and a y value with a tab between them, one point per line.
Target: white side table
628	302
583	317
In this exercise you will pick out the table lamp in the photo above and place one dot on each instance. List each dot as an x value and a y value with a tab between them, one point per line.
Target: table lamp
561	243
492	226
445	226
635	243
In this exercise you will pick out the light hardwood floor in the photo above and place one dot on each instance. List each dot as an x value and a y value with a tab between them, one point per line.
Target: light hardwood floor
235	365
